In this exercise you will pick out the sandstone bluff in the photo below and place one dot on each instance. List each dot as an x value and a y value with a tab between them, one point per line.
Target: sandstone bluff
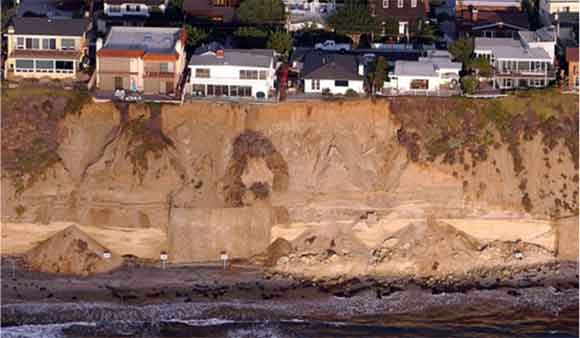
236	177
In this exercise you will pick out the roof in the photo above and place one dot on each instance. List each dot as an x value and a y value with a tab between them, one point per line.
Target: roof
486	17
490	3
544	34
415	68
260	58
43	54
46	26
442	63
205	8
49	8
490	43
155	43
572	54
143	2
323	65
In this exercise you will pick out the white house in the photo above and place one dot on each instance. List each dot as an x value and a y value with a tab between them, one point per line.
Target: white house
527	62
433	74
233	72
332	72
430	75
134	7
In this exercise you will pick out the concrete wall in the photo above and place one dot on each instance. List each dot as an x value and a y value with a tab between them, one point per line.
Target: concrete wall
197	234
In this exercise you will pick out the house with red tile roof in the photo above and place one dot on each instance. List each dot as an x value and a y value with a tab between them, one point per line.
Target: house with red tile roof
144	60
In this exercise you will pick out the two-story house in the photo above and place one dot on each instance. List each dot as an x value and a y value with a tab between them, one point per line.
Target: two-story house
409	14
232	72
43	47
491	23
527	62
146	60
134	7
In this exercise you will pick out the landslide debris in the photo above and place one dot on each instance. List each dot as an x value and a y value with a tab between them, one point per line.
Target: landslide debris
278	249
72	252
422	249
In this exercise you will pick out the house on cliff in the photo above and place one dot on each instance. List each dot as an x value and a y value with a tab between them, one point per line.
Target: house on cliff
147	62
45	48
131	13
332	73
407	15
527	62
241	73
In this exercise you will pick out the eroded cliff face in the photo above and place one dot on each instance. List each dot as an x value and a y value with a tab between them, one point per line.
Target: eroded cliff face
312	163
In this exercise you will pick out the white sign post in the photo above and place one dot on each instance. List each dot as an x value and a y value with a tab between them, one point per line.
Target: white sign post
163	257
224	258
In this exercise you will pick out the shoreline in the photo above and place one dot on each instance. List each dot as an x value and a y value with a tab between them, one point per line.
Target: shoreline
247	294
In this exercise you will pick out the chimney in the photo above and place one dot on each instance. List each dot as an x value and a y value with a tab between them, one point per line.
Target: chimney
426	5
361	69
219	53
474	14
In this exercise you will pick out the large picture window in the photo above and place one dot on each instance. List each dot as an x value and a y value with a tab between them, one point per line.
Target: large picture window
341	83
386	3
262	74
20	43
64	66
45	66
24	65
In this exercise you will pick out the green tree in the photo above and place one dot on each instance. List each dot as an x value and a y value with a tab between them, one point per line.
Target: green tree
195	36
261	11
281	42
379	73
354	18
177	4
480	66
428	33
469	84
461	49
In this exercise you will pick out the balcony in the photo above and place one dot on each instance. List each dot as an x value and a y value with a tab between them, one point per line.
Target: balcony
158	74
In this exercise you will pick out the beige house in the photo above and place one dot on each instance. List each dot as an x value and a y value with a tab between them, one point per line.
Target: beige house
43	47
145	60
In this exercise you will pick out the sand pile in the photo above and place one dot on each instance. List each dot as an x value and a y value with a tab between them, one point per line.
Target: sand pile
428	247
338	238
71	251
278	249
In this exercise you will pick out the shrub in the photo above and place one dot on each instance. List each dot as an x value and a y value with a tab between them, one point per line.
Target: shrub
469	84
351	93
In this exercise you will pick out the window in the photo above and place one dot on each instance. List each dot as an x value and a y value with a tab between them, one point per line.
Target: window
262	74
45	66
32	43
202	73
315	85
419	84
400	3
48	43
118	82
248	74
67	44
64	66
341	83
164	68
25	65
20	43
219	3
114	8
413	3
385	3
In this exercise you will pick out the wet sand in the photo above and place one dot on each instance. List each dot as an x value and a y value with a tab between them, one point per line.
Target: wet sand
150	293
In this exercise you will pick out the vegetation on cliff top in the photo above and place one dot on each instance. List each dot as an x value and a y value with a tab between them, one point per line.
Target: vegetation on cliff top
29	129
449	128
